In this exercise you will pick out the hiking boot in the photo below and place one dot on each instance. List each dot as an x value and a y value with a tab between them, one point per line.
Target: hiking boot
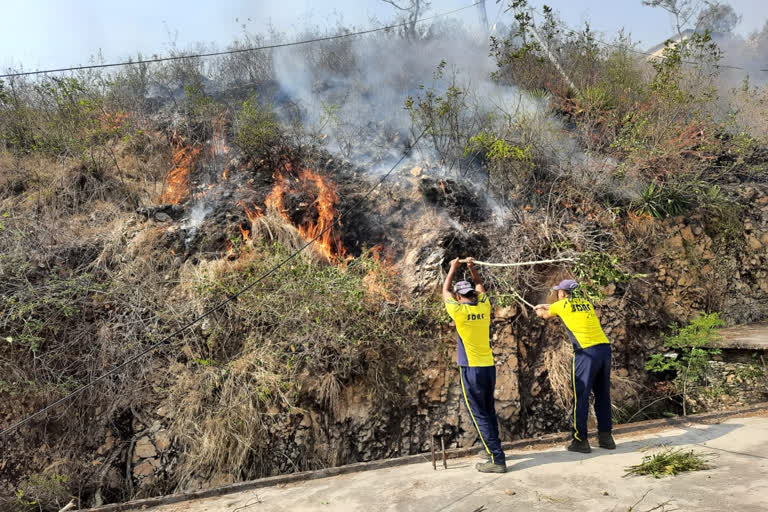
490	467
579	446
484	456
605	440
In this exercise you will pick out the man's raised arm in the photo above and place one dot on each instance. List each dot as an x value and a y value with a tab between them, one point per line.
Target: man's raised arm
447	295
479	286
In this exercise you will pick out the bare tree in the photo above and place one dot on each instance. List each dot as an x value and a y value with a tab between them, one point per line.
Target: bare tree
412	11
683	11
717	18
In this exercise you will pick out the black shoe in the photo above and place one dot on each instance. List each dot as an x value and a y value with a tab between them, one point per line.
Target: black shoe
579	446
605	440
490	467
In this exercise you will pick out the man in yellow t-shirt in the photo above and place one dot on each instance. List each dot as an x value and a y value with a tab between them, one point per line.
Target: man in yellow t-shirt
470	309
591	364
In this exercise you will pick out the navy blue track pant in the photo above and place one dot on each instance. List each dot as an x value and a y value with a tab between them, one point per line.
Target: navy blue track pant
477	385
591	372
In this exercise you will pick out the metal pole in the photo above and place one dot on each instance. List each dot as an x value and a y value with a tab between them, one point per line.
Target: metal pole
442	443
432	446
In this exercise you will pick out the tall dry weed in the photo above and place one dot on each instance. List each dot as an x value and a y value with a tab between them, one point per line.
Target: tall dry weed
558	363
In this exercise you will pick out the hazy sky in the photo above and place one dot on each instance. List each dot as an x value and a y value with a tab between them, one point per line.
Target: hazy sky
55	33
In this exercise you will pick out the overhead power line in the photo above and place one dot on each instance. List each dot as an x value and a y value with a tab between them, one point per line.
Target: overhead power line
220	304
235	51
318	40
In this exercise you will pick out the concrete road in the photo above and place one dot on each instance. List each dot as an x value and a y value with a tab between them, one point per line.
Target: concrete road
542	479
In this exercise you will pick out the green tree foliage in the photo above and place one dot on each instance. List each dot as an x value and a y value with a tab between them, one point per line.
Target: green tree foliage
596	270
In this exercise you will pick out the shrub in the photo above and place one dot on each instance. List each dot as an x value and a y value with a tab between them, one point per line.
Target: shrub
43	493
51	116
660	201
258	133
689	350
447	116
509	164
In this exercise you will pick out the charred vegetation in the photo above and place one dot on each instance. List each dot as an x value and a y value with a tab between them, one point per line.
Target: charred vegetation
130	209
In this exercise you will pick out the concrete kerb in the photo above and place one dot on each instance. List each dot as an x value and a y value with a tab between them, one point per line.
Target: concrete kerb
744	337
453	453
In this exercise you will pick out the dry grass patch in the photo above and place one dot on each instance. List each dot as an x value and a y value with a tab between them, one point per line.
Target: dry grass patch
558	363
294	342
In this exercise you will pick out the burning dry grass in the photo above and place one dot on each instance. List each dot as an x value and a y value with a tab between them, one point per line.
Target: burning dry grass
176	183
273	228
300	208
313	211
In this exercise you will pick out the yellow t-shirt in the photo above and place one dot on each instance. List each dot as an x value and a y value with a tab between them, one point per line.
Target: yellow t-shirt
580	321
473	322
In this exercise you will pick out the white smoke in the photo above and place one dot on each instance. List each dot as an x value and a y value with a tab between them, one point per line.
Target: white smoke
354	91
362	92
197	215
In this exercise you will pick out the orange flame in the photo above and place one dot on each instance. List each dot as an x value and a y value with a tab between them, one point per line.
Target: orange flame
319	223
176	186
245	233
252	213
380	255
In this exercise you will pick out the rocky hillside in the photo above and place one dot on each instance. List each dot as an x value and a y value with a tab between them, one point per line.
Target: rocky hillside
129	207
